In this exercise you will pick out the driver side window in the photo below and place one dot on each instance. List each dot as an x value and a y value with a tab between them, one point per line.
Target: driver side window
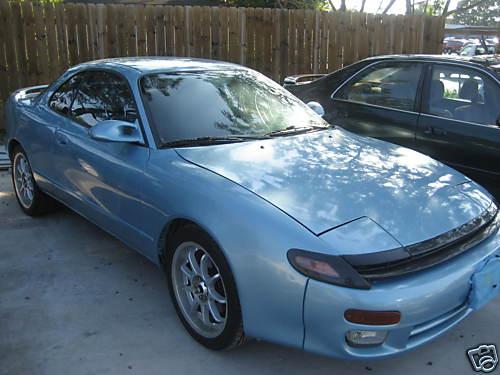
103	96
390	85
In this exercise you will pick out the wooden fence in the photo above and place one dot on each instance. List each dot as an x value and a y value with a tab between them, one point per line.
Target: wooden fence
38	41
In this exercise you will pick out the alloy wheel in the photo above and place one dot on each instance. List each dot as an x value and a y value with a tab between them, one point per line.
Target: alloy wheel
199	289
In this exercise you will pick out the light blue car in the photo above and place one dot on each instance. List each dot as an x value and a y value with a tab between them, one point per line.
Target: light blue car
268	222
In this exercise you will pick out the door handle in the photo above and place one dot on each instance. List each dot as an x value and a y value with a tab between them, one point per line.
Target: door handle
60	137
430	130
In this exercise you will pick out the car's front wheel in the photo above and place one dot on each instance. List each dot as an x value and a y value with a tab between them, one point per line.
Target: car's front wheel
29	196
203	289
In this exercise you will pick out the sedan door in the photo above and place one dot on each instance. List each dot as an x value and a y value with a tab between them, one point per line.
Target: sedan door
104	180
459	124
380	101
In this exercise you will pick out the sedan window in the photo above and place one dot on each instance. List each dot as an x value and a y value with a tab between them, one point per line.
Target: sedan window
391	85
103	96
463	94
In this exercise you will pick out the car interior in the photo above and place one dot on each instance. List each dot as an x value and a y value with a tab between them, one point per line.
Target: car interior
462	96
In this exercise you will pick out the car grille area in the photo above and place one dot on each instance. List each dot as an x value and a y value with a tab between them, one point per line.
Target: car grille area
433	251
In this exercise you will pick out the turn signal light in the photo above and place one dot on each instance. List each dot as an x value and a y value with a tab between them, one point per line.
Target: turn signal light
372	318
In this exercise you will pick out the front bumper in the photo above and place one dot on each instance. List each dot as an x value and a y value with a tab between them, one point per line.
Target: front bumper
430	301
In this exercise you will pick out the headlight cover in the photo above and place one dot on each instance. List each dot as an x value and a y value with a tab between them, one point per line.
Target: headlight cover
330	269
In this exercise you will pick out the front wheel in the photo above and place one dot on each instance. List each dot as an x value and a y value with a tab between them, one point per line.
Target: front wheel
29	196
203	289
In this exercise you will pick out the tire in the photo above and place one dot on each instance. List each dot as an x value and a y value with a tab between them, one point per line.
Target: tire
29	196
196	295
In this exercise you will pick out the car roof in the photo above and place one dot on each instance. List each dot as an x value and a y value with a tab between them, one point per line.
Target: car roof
479	61
147	65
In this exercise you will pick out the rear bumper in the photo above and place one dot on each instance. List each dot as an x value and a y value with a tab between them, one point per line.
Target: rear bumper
430	302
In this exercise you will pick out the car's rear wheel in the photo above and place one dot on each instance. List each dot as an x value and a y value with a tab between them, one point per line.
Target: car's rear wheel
203	290
29	196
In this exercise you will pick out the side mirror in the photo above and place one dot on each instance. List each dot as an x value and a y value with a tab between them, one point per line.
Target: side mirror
316	107
116	131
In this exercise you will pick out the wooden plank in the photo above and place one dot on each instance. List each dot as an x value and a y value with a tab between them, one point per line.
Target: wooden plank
141	30
370	37
388	34
308	40
7	72
130	26
363	45
259	39
168	14
267	52
111	31
195	31
180	40
12	81
275	40
215	33
30	31
50	24
292	43
83	33
299	25
322	43
121	30
349	28
242	19
161	14
102	32
150	31
188	31
92	31
62	37
427	42
224	33
234	37
283	44
18	39
317	41
40	44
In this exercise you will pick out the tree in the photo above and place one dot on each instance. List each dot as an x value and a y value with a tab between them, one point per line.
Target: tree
476	13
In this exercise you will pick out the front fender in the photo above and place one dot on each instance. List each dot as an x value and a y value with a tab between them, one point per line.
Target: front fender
253	234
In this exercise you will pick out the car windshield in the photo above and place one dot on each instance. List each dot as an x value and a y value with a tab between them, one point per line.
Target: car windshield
234	104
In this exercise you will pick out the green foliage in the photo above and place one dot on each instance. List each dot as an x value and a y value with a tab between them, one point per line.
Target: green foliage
290	4
451	94
485	14
431	7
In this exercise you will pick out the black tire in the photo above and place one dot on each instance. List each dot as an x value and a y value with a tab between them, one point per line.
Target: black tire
232	335
41	203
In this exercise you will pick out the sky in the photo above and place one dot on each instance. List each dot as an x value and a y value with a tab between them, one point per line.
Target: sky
371	6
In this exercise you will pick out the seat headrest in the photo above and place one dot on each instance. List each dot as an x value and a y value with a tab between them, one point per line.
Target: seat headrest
437	89
470	90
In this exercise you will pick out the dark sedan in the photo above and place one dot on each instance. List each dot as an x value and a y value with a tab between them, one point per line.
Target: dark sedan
446	107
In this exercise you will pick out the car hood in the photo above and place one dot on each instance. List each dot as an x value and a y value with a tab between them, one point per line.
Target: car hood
328	178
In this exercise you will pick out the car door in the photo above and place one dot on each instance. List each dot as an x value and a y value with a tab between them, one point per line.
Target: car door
43	123
103	180
380	101
459	124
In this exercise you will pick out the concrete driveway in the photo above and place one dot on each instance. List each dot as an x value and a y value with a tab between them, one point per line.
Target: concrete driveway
74	300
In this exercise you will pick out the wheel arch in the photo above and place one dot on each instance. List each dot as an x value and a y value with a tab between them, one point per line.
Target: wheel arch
11	146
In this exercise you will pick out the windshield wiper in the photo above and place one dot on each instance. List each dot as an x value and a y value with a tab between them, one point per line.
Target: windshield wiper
203	141
295	130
